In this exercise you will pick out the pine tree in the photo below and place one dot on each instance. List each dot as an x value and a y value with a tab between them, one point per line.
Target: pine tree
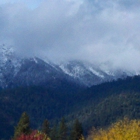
54	133
62	132
46	127
23	126
77	131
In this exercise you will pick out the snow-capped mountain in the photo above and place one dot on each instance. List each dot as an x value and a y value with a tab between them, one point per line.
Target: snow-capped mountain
89	75
9	65
16	71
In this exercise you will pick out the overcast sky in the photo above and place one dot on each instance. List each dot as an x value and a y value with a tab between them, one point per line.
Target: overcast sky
99	31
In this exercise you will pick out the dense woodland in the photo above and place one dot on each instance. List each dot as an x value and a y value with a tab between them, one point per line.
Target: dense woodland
23	130
125	129
99	107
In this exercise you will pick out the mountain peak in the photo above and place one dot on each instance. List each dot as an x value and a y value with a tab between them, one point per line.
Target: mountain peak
17	71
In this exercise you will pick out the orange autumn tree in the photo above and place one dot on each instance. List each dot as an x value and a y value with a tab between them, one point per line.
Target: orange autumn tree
122	130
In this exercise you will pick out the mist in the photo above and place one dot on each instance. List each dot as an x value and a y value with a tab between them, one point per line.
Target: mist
99	32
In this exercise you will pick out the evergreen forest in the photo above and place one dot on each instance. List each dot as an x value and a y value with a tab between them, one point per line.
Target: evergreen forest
72	113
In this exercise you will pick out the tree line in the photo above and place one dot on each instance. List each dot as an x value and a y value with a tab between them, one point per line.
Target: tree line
23	130
125	129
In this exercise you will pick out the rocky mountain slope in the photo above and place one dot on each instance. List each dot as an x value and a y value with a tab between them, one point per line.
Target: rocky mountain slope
17	71
89	74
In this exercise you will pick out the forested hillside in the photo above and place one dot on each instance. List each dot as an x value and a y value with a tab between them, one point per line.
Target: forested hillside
98	106
108	102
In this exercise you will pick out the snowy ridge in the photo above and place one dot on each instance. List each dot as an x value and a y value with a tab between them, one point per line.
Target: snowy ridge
86	73
16	71
96	72
74	71
9	59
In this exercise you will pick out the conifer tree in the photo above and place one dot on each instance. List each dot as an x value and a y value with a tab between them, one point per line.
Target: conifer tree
62	132
54	133
77	131
23	126
46	127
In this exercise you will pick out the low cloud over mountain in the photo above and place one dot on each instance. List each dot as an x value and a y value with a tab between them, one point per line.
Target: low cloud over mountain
91	30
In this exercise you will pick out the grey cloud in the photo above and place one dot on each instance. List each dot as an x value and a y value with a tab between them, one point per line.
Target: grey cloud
95	31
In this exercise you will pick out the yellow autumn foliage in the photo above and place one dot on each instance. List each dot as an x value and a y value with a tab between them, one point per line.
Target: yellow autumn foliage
122	130
82	137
